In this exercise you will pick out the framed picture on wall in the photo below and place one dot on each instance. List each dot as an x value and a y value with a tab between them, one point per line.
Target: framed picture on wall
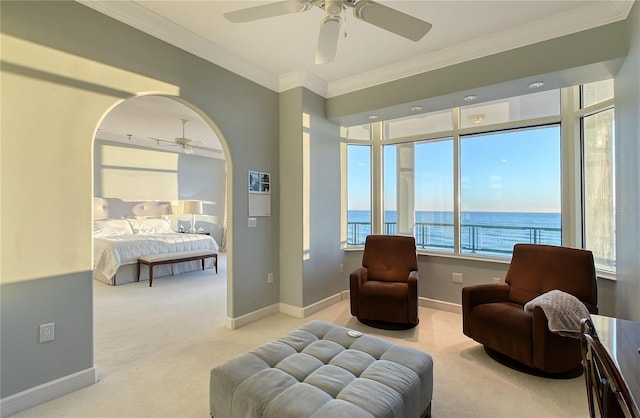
259	193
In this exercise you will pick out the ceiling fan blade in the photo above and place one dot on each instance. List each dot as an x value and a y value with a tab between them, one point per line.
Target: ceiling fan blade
268	10
392	20
328	39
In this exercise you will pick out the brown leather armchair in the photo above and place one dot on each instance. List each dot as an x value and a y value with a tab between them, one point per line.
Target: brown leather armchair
494	315
384	291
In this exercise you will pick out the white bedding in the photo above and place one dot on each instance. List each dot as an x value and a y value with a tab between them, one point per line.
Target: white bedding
111	253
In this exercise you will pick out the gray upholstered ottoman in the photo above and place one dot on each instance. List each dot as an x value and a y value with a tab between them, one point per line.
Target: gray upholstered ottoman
320	370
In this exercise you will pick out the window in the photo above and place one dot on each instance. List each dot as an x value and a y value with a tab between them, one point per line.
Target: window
359	193
598	169
434	195
477	179
510	190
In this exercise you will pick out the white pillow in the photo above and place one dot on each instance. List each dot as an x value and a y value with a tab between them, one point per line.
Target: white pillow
111	228
151	226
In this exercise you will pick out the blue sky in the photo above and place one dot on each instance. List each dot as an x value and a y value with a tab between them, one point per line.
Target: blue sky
514	171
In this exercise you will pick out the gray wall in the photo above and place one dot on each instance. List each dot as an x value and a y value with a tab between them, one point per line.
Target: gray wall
310	253
291	207
59	79
627	92
24	306
323	256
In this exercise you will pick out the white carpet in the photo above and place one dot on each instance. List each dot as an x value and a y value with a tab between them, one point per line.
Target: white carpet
154	348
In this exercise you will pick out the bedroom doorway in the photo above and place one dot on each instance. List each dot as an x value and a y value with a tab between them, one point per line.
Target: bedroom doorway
158	162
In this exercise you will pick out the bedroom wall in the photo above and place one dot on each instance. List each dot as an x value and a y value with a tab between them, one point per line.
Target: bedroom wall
133	173
58	80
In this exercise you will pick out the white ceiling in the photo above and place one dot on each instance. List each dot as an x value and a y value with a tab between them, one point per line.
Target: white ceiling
279	52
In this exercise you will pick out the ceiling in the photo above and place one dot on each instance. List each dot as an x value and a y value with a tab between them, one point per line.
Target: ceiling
279	52
155	122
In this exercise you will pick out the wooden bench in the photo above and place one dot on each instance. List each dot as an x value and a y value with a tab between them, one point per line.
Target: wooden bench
176	257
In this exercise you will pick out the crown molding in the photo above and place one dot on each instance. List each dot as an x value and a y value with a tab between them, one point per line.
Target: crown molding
591	15
303	79
135	15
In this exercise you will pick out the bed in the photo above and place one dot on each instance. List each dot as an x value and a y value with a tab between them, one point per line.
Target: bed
117	244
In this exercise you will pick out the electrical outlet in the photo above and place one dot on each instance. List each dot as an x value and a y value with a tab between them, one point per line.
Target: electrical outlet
253	222
270	278
497	280
341	268
457	277
47	332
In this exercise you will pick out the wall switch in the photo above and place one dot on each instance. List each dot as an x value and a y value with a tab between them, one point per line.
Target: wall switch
47	332
341	268
497	280
457	277
253	222
270	278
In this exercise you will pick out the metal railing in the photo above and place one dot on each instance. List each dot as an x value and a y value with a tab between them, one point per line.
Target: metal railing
476	239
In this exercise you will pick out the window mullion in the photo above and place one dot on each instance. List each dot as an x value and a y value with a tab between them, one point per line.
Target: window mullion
377	192
456	180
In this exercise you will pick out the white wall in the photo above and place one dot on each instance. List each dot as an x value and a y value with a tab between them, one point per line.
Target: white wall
132	173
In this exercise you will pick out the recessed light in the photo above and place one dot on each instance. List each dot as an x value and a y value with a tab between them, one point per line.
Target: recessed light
373	117
536	85
416	108
476	118
470	98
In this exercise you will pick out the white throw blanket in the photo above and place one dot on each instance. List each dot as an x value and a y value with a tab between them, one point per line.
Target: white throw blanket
563	311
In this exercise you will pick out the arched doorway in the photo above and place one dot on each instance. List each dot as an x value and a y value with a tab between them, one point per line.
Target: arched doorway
175	147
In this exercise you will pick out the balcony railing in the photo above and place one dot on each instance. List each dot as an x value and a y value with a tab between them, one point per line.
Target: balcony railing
475	239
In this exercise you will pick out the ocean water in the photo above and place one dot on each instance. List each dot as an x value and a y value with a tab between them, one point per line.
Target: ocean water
487	233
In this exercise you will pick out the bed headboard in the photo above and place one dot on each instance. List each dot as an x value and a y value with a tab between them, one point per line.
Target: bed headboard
113	208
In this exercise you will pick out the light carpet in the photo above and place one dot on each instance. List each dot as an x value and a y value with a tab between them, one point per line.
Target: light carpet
155	347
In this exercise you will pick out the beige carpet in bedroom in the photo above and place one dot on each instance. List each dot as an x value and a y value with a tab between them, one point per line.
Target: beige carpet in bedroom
154	348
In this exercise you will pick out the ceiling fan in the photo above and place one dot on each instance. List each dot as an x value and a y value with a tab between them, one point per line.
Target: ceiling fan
187	144
371	12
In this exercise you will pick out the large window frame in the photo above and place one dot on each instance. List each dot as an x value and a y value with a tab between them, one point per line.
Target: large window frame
569	118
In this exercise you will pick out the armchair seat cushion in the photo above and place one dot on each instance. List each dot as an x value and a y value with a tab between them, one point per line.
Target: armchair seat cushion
388	299
504	327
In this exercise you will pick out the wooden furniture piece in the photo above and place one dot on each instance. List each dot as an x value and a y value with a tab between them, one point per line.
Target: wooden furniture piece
175	257
384	291
611	360
493	314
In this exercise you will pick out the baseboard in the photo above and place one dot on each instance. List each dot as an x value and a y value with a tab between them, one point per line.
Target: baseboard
35	396
311	309
297	312
440	305
234	323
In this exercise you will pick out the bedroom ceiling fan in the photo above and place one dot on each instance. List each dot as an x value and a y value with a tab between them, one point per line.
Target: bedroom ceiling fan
187	144
369	11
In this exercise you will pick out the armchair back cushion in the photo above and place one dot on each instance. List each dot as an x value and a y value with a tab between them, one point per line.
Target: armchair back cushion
389	258
537	269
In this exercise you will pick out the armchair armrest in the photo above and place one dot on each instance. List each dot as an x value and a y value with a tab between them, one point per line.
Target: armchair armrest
473	296
356	278
412	283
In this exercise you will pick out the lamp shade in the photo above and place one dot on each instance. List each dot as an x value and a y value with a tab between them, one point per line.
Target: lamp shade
193	207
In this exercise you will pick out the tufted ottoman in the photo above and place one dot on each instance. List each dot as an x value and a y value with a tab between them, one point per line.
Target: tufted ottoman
320	370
